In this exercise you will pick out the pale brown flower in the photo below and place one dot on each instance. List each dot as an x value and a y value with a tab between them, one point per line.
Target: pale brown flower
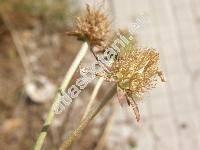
135	71
94	27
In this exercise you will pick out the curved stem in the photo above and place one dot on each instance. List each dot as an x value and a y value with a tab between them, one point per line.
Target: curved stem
63	86
67	143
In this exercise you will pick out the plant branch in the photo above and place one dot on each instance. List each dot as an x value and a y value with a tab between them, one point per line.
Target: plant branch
107	128
63	86
67	143
93	96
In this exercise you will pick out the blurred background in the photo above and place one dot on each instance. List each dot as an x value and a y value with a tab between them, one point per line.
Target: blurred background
33	43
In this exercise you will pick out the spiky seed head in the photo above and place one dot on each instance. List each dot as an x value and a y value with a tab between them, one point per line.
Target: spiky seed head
136	70
94	27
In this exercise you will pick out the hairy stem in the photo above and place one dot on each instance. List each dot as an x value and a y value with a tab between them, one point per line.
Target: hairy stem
67	143
63	86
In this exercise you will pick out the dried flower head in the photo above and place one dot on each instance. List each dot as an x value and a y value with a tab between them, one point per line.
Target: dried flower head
135	71
94	27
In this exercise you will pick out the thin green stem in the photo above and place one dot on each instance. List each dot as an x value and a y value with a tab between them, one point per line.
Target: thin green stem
67	143
63	86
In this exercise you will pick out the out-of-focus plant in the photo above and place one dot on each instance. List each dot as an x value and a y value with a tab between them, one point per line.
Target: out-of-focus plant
52	14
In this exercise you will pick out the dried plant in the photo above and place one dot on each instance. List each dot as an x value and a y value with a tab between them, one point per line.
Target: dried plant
135	70
93	112
93	96
93	31
108	127
94	27
68	76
